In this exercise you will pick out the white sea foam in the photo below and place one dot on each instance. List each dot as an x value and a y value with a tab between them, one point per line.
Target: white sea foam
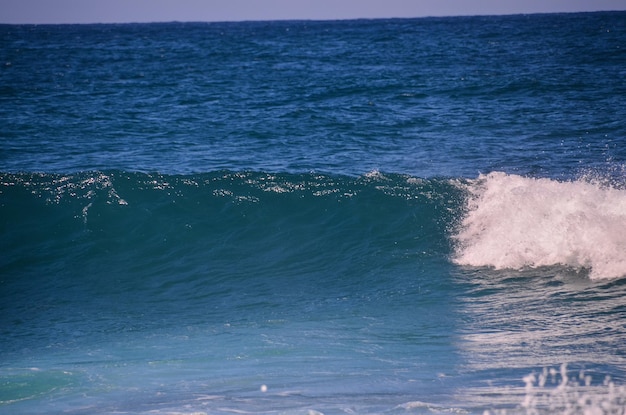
558	392
516	222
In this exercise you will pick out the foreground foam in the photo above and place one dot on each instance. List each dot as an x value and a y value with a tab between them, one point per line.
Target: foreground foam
560	392
516	222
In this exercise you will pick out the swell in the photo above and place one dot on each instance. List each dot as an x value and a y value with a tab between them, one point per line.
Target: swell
119	232
242	223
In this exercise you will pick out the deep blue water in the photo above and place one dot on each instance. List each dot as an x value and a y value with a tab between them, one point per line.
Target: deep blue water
370	216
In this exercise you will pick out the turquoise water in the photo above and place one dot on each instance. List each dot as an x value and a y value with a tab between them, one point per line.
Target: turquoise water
372	216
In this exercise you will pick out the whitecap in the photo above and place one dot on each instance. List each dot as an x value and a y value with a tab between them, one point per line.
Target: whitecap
517	222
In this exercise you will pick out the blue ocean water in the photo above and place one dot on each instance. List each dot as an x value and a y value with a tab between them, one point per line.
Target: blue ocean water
402	216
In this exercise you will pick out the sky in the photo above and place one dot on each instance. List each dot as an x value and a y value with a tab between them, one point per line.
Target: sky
123	11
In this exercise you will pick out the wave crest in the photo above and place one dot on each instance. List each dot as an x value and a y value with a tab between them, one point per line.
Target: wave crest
517	222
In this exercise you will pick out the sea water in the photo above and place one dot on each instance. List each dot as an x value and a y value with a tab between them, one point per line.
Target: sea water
405	216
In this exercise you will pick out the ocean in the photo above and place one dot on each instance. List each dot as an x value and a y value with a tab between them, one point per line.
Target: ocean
391	216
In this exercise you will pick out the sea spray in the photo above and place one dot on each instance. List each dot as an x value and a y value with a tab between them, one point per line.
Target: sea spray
560	392
516	222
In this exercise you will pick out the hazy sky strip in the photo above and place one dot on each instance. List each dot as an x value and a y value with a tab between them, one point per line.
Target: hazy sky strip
121	11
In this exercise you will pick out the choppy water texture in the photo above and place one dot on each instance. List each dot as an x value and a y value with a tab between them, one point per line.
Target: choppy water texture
372	216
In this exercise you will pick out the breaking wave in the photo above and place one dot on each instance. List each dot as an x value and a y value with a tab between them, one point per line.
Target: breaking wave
517	222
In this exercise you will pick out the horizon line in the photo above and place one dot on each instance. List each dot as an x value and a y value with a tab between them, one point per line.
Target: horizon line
295	19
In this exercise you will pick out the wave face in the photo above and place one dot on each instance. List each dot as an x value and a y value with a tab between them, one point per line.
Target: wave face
517	222
497	220
227	216
171	239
